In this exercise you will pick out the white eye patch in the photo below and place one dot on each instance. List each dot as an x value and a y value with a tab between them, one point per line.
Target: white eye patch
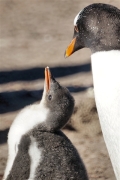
77	17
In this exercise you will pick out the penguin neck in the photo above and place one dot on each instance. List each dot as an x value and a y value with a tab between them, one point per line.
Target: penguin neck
106	78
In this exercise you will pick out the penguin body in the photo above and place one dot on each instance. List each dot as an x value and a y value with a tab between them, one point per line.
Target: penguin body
97	27
43	152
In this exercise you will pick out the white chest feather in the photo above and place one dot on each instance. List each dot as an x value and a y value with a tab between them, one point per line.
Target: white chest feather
26	120
35	157
106	77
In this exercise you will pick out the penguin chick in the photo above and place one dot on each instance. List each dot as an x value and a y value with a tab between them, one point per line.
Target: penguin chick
38	150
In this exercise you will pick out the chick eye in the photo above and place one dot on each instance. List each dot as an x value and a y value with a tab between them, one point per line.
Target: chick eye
50	97
76	29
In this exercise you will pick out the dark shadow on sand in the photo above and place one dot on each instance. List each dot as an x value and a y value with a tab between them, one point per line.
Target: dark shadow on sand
15	100
38	73
3	136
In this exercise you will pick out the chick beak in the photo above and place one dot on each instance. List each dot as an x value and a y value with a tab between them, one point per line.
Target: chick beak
70	48
47	78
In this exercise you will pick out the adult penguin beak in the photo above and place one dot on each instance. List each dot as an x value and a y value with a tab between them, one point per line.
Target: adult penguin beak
76	44
70	49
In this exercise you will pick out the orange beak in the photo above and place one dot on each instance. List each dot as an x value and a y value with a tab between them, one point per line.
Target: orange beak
47	78
70	48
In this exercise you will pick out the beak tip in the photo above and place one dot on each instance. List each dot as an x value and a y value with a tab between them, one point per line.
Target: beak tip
47	67
65	55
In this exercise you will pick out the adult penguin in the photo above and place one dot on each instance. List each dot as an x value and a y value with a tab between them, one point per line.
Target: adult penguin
97	27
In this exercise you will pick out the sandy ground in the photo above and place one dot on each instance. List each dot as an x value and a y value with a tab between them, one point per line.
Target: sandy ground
35	34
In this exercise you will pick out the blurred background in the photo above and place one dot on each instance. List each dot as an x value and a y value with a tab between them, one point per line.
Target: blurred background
34	34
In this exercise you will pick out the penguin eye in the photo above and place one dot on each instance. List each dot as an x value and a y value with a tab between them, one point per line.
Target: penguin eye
50	97
76	29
